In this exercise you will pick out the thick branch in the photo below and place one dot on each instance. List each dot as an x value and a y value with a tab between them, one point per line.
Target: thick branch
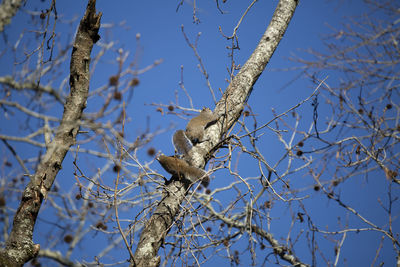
235	96
230	106
19	246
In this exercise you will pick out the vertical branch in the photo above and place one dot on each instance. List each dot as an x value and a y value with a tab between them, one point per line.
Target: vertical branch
121	152
19	246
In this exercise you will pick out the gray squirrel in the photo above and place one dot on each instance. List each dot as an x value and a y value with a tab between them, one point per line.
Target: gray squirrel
181	169
196	126
183	142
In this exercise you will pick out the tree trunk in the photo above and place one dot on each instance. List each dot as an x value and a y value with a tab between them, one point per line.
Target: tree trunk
229	107
19	246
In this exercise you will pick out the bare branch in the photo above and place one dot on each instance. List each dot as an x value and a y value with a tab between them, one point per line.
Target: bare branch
8	80
229	108
19	246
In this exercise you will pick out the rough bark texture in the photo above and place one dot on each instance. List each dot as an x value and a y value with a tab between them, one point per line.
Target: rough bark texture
229	108
19	246
8	9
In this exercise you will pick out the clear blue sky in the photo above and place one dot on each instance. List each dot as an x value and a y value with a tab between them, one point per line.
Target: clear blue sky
161	38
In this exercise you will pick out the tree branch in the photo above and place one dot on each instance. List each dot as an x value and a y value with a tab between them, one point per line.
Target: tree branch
229	108
283	251
19	246
58	257
8	80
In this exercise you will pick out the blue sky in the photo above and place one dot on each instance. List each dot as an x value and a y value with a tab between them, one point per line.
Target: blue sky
159	26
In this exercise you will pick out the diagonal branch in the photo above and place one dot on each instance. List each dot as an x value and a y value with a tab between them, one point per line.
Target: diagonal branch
229	108
281	250
19	246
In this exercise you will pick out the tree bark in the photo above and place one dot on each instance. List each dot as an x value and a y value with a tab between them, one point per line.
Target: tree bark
19	246
8	9
229	107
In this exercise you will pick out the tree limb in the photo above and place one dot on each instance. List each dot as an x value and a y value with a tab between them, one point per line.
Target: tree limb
229	108
8	80
58	257
19	246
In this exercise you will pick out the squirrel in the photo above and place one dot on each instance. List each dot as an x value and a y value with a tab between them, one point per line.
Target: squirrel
181	143
181	169
196	126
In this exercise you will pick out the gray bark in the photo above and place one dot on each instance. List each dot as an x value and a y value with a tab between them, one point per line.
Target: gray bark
229	107
8	8
19	246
